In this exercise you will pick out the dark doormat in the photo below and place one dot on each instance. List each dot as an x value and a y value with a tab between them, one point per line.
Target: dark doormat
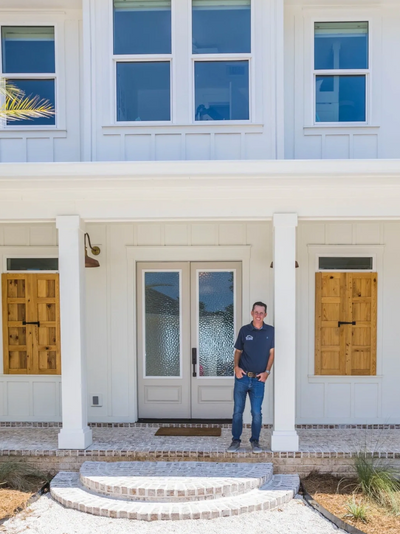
186	431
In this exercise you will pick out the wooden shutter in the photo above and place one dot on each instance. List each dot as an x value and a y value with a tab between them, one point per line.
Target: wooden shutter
31	348
345	349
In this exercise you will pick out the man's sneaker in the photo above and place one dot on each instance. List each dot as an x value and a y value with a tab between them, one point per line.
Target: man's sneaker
256	447
234	446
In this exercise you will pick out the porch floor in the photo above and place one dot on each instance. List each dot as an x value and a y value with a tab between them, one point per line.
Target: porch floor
323	449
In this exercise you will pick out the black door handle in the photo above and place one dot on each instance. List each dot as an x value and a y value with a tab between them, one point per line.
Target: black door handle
33	322
194	361
344	322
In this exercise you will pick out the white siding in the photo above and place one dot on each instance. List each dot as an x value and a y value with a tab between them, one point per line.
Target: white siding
111	359
61	143
377	139
371	399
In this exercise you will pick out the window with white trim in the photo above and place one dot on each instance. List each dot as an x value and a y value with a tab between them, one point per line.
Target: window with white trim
341	71
29	63
142	55
221	52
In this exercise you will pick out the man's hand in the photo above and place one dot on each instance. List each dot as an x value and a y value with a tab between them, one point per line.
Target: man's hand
262	377
239	373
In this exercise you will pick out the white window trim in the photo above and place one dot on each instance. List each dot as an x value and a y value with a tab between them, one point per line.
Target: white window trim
248	56
316	251
176	70
57	21
372	103
139	58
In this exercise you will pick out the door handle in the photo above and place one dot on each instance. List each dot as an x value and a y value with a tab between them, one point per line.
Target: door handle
194	361
33	322
344	322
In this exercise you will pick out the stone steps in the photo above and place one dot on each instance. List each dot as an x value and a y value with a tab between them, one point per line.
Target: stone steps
150	491
173	481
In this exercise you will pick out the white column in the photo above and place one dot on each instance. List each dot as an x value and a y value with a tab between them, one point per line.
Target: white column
75	434
284	436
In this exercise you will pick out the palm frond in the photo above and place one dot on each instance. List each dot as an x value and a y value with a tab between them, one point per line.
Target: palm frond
16	106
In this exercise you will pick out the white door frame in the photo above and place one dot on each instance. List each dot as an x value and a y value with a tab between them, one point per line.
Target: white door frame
175	254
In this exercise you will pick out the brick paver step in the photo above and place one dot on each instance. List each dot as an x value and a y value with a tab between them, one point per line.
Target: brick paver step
173	481
67	490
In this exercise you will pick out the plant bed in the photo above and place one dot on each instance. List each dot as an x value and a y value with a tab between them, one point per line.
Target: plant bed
343	498
19	483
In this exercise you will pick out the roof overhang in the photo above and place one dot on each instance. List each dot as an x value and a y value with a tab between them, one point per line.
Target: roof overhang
181	190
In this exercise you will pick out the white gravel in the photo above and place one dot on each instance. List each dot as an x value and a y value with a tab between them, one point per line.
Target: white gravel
48	517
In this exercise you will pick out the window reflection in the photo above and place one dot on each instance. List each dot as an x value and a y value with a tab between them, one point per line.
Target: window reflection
216	323
142	26
221	26
143	91
340	99
341	45
28	49
43	89
221	90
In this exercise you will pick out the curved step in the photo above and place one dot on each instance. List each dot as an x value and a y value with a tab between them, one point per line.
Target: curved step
173	481
66	489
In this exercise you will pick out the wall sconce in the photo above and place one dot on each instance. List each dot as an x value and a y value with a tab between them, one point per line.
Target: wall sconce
296	265
91	262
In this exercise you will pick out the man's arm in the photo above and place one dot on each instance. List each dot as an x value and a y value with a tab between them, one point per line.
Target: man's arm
262	377
238	371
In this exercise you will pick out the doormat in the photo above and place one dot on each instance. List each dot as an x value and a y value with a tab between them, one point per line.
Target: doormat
188	431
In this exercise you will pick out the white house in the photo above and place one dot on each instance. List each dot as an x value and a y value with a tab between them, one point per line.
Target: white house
207	147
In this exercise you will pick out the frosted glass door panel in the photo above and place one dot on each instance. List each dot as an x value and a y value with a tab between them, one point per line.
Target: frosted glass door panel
216	322
162	324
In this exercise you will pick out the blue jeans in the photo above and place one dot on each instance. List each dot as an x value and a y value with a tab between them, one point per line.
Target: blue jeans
255	389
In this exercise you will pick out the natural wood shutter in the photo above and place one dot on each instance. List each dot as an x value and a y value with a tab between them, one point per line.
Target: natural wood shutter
345	349
31	348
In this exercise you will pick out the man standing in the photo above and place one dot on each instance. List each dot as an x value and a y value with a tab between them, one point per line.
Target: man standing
254	356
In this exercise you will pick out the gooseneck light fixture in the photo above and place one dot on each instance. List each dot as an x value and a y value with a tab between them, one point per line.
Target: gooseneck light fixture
91	262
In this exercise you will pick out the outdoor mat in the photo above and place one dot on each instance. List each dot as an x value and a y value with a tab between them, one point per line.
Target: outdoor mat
187	431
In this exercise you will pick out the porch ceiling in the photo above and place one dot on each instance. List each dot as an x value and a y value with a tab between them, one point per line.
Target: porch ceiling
178	190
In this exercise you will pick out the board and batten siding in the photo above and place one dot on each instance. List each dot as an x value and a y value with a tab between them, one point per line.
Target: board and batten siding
26	397
376	138
111	358
348	399
47	144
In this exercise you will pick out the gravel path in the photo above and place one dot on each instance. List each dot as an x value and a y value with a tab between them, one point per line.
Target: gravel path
48	517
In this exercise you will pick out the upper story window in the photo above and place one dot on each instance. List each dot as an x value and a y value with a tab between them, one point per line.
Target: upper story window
28	62
221	52
142	52
341	70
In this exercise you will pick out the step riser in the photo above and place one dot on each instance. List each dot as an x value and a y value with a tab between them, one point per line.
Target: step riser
152	495
173	481
176	515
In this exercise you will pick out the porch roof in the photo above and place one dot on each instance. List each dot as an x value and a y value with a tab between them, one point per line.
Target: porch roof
201	190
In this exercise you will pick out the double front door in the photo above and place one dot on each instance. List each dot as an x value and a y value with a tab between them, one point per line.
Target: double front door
188	318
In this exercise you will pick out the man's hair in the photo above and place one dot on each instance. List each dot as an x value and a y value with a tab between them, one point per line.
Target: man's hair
259	303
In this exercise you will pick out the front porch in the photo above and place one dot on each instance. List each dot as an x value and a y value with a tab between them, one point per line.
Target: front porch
323	448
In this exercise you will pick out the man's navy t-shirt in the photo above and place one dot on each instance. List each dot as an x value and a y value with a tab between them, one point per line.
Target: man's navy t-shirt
255	344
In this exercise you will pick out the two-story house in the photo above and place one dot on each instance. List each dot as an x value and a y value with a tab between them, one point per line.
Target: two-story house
208	148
